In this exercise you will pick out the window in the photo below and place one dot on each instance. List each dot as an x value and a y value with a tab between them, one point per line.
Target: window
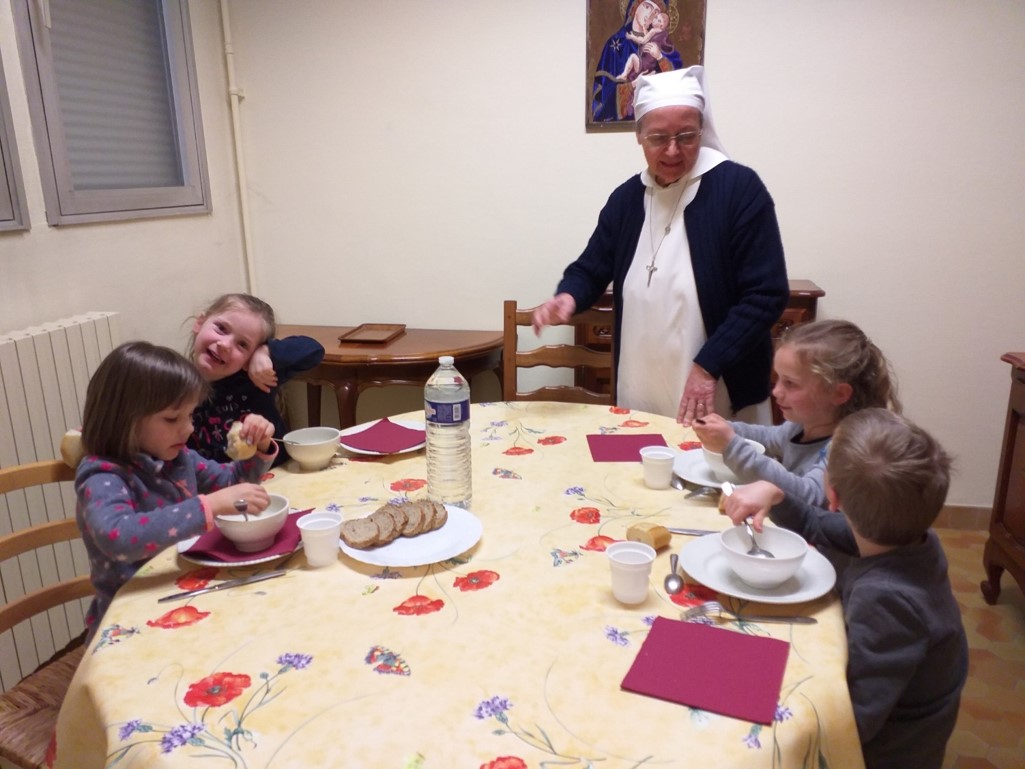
12	192
115	108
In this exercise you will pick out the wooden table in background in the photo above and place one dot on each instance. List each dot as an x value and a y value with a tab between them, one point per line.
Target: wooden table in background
409	359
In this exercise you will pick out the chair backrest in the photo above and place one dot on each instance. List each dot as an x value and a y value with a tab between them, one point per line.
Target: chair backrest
28	549
576	356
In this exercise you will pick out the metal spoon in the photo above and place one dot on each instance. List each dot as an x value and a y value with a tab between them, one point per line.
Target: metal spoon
243	507
673	582
755	550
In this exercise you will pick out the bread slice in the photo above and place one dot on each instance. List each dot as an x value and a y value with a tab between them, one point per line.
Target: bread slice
360	533
387	530
236	447
440	516
414	519
398	512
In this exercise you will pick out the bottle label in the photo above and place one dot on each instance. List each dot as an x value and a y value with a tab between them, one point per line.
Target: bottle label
447	413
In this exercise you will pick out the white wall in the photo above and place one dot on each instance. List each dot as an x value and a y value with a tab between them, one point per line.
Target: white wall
420	162
156	272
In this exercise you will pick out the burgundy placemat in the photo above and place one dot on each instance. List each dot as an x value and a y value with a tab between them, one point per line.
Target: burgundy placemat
622	448
384	437
710	668
216	547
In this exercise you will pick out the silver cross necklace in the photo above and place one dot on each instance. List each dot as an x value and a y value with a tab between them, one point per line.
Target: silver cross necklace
651	268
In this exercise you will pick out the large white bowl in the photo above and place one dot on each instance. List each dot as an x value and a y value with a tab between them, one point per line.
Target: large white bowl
763	573
718	467
312	447
258	532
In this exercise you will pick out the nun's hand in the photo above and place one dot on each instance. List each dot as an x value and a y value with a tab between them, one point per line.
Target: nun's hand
558	309
698	396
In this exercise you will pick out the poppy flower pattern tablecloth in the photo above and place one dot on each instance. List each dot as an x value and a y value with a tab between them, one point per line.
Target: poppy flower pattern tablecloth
507	656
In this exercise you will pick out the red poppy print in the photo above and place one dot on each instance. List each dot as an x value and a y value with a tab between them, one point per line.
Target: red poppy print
197	578
689	445
476	580
180	617
419	604
691	595
505	762
634	423
216	690
517	451
408	484
618	410
586	515
597	544
51	752
551	440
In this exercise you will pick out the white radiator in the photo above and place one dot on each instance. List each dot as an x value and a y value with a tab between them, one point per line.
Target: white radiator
44	372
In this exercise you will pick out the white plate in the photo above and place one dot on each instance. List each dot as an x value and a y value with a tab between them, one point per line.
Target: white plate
703	560
357	429
461	531
692	467
185	544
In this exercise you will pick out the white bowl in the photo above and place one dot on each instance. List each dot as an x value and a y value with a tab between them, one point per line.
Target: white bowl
718	467
312	447
257	533
763	573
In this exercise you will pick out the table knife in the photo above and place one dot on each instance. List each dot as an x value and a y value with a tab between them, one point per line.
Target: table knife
222	585
692	532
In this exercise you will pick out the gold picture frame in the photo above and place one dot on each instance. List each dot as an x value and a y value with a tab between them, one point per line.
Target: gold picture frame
626	38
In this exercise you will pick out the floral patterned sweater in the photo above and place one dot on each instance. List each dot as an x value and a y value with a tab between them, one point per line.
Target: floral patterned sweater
129	513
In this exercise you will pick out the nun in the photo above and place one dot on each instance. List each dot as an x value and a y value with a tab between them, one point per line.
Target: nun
693	252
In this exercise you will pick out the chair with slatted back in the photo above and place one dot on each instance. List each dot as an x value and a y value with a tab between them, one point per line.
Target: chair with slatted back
28	711
580	358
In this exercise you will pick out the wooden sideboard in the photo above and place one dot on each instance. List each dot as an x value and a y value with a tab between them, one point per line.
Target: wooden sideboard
1005	548
801	308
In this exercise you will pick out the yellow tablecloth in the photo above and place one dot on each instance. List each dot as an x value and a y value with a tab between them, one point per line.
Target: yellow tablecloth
508	656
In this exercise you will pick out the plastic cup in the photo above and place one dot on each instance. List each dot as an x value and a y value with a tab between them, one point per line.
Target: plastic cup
630	564
320	532
657	462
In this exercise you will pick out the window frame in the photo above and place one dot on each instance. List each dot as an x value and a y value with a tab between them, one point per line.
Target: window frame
12	188
64	203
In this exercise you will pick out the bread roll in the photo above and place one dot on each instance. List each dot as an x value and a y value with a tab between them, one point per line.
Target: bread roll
650	534
71	448
238	448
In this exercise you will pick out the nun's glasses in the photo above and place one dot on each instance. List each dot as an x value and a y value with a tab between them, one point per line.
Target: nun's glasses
661	141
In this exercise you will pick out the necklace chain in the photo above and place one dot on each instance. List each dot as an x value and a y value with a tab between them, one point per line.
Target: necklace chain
651	268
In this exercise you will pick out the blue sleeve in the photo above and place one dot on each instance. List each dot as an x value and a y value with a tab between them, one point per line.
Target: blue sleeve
126	532
293	355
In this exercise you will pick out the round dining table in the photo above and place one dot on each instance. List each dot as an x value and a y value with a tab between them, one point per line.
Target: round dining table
503	649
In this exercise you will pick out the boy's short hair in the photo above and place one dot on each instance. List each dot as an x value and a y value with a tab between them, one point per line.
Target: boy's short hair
890	475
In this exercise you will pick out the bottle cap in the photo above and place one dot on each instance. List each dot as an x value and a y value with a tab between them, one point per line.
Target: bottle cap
446	360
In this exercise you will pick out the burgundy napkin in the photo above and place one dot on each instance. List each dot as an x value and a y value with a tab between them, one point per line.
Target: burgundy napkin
710	668
216	547
385	437
621	448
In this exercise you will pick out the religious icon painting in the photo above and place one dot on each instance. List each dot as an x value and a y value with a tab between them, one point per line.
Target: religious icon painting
628	38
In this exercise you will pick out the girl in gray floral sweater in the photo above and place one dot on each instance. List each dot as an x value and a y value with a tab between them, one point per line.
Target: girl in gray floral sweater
139	488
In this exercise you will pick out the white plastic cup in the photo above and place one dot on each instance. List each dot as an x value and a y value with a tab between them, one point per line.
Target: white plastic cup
320	532
657	462
630	563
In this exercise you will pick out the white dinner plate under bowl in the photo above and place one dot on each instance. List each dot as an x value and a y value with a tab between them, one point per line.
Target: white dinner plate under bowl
703	561
356	429
692	467
461	531
185	544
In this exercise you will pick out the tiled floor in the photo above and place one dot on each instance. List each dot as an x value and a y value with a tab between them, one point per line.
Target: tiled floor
990	732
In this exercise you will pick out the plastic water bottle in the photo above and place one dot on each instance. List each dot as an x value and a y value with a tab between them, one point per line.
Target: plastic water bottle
447	411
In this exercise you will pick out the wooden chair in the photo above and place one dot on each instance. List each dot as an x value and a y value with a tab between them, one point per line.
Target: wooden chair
575	356
28	711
